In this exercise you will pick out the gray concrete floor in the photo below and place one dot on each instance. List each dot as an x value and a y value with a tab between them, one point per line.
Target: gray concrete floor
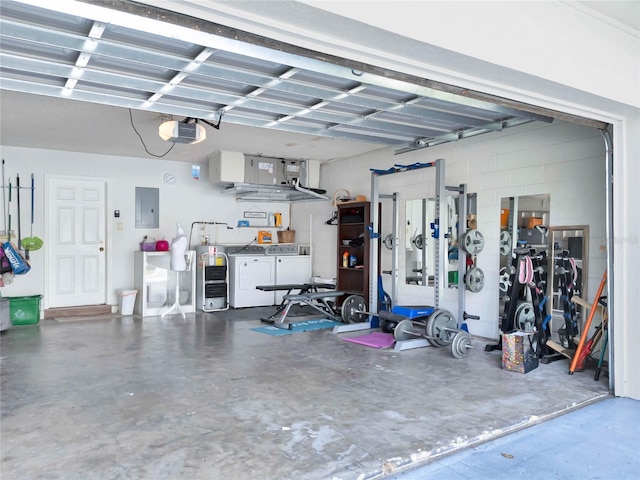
207	398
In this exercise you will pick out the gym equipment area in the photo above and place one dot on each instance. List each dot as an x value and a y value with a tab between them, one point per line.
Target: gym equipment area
421	325
402	245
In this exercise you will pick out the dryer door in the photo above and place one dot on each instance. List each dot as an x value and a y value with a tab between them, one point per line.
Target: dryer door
251	272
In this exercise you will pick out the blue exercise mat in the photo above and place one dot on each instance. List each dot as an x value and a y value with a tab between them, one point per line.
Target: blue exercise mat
302	326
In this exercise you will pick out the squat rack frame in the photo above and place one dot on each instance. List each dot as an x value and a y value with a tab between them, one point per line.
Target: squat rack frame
440	250
374	233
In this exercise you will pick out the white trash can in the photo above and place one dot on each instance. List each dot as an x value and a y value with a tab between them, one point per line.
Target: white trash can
127	300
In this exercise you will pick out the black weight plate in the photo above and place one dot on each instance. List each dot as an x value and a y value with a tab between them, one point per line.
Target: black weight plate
387	326
352	308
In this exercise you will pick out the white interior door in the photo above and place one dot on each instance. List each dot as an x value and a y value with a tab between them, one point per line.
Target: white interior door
76	265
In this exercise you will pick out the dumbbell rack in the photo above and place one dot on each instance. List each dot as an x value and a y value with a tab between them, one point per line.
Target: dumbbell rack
567	286
516	291
566	283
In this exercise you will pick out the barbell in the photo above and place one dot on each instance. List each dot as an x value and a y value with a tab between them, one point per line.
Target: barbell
354	309
440	330
459	341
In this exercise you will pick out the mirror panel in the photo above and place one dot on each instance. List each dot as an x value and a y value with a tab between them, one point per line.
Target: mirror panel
574	240
419	241
524	221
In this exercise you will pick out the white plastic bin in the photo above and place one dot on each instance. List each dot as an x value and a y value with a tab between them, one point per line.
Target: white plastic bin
127	300
5	316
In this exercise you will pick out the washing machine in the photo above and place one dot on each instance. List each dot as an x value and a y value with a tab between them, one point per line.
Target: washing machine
250	266
291	268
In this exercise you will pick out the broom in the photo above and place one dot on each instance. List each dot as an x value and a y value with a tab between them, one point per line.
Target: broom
31	242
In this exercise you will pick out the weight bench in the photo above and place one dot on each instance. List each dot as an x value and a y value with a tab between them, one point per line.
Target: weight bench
302	288
316	300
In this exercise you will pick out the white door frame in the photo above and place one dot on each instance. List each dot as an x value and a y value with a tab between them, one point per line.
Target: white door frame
49	244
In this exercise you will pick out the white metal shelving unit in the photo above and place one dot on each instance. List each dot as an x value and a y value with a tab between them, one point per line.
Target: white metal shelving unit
156	282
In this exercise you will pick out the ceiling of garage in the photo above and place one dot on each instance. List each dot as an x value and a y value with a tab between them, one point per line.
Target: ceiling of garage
157	63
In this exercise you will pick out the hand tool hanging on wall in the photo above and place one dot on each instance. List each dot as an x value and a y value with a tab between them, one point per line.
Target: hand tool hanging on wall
31	243
4	200
18	199
18	265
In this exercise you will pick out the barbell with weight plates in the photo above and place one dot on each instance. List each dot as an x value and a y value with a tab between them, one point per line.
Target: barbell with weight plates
474	280
439	325
472	242
436	329
460	344
460	341
354	309
405	330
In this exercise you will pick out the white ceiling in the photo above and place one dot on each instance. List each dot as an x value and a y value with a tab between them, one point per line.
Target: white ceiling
37	121
50	122
153	62
624	13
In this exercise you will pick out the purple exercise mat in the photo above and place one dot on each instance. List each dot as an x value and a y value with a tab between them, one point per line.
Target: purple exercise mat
375	340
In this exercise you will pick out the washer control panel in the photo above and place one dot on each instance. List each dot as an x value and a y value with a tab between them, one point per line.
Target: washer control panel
282	249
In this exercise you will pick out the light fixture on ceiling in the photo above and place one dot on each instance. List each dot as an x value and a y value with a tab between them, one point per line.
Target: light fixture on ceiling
187	131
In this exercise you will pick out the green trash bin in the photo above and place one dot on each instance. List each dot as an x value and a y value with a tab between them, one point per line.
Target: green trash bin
24	310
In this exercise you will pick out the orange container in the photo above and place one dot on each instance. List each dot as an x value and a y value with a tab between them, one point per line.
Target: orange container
504	218
264	236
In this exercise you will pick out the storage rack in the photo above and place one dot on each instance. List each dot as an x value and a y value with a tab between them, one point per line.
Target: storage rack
353	219
212	279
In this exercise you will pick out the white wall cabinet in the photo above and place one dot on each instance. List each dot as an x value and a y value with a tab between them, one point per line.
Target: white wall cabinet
156	283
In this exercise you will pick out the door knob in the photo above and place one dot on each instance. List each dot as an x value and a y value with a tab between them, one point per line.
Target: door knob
102	249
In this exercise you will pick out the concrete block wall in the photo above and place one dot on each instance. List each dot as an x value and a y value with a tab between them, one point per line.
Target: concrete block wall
563	160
